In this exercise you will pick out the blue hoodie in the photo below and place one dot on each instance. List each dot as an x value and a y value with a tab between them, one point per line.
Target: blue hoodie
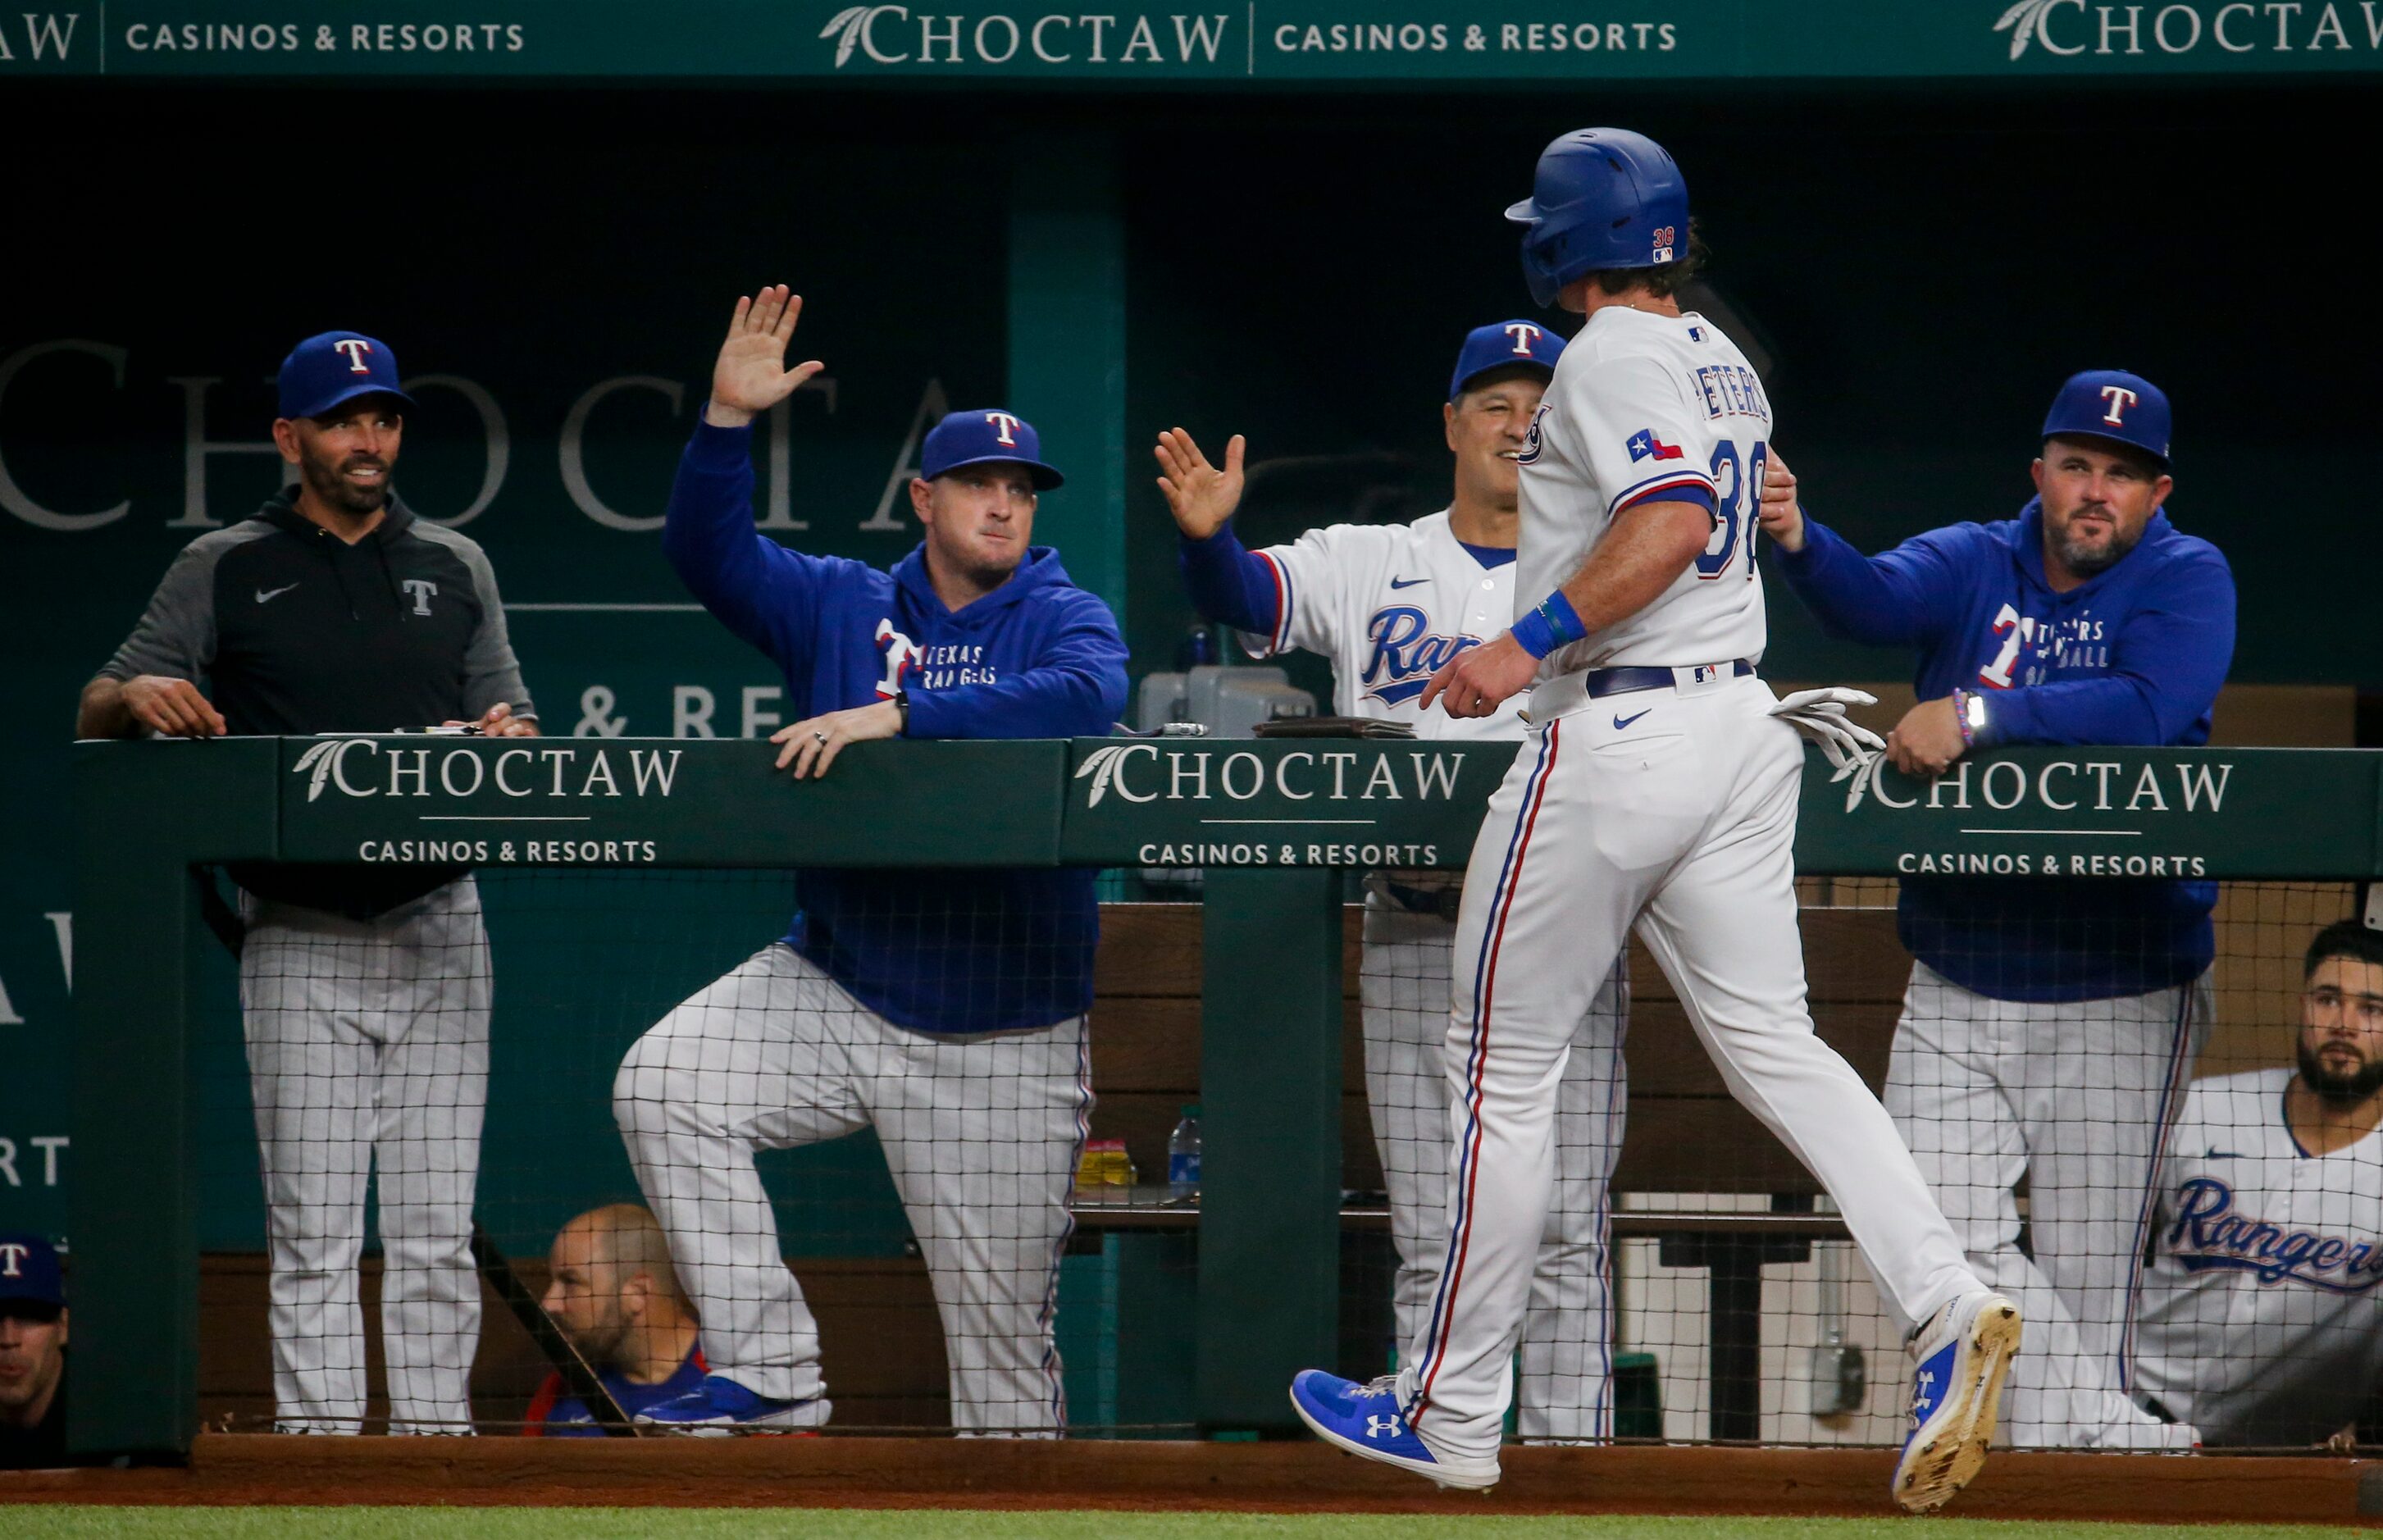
2132	656
943	951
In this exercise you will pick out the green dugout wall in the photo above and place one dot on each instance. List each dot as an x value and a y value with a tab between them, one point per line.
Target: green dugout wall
1275	823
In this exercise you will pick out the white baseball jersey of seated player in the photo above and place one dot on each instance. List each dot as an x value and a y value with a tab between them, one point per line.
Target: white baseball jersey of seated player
1641	406
2261	1314
1388	604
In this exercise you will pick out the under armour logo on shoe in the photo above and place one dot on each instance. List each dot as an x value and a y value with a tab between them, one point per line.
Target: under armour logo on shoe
1383	1427
1923	1395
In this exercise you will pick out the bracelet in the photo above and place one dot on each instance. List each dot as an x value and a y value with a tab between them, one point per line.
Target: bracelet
1553	624
1961	718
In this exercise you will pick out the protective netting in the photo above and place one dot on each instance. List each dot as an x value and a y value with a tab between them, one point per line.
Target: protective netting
672	1129
2134	1170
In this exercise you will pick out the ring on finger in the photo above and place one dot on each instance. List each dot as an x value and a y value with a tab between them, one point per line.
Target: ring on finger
820	735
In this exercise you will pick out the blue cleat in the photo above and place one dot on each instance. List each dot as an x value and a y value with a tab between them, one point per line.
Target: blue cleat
1366	1419
720	1406
1962	1356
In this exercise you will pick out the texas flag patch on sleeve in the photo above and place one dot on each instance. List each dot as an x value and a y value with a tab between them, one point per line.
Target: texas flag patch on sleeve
1644	445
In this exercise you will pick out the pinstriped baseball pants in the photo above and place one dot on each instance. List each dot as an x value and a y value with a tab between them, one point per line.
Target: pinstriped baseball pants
2074	1095
368	1048
1567	1339
981	1134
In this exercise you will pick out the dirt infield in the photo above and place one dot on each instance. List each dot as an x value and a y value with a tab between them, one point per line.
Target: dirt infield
1225	1477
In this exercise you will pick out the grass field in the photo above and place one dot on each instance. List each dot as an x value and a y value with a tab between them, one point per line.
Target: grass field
681	1523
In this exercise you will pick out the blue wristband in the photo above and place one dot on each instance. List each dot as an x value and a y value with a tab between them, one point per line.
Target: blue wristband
1553	624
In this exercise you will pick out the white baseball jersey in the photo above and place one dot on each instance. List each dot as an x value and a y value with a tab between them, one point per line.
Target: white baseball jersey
2261	1322
1388	604
1643	405
1672	814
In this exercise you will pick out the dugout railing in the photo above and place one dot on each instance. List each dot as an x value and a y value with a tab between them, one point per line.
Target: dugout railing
1276	826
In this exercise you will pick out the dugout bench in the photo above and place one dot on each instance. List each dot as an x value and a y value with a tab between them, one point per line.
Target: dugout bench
1276	824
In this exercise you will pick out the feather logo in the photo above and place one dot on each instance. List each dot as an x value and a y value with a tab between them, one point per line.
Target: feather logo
324	760
853	23
1863	767
2024	21
1102	765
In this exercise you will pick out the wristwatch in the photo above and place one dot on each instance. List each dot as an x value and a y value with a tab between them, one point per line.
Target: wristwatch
902	710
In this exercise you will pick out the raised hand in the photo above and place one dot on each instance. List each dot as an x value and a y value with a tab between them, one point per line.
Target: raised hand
1199	495
751	375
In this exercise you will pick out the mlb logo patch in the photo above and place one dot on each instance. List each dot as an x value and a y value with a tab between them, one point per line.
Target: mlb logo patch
1644	445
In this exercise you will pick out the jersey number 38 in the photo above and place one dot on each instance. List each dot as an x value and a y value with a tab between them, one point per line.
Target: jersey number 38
1736	494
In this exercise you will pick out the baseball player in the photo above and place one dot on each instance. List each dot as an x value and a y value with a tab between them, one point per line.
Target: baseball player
944	1009
2050	1026
1388	604
614	1298
2261	1323
364	991
1657	788
32	1353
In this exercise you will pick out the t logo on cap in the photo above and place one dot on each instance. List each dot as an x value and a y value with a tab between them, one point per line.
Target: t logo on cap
2113	404
332	368
12	1259
980	435
1503	345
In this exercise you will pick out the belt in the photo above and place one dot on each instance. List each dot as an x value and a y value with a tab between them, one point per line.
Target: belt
1600	682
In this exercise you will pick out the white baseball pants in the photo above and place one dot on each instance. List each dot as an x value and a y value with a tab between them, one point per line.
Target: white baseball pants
2078	1096
1683	824
1567	1342
981	1134
368	1045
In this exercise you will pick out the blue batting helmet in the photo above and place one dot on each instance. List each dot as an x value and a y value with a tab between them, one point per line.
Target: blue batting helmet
1601	198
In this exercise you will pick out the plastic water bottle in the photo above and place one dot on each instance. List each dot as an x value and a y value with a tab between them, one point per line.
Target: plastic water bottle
1183	1155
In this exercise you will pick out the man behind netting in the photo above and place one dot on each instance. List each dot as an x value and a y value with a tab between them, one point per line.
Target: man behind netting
944	1009
2050	1025
2261	1323
613	1295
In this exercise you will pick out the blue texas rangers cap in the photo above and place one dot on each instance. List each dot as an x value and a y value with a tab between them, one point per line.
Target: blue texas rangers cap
29	1270
333	367
2112	403
983	437
1500	344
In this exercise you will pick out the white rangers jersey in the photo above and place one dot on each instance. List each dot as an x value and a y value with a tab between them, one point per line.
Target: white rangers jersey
1643	405
2260	1321
1388	604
